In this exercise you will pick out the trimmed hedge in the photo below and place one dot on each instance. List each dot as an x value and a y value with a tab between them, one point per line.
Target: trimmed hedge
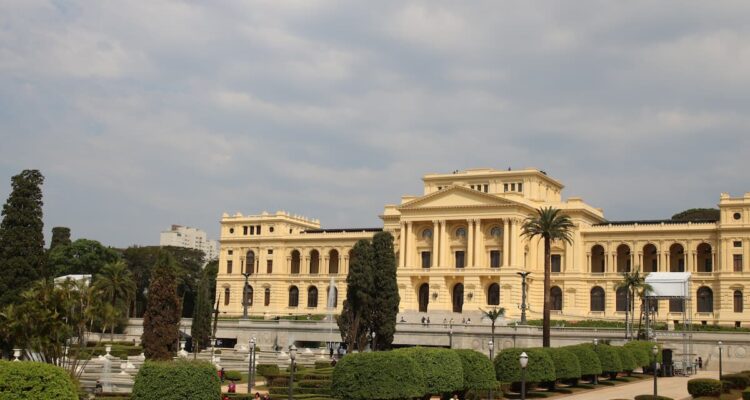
566	363
626	357
232	375
587	359
37	381
479	373
378	375
322	364
739	381
641	351
651	397
266	370
180	379
442	368
609	357
746	394
540	367
704	387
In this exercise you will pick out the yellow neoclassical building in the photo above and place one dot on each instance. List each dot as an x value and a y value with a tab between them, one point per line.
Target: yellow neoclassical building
459	248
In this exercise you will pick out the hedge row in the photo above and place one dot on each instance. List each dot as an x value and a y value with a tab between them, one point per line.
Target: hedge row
33	380
178	379
704	387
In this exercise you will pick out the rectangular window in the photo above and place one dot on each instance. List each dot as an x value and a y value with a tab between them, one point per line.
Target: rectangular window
512	187
460	259
520	187
494	258
229	266
230	252
269	266
738	263
244	230
426	259
737	243
252	230
505	187
556	261
486	188
270	251
257	230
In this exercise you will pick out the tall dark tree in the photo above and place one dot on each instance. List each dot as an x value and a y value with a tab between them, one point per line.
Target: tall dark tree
60	236
201	327
549	224
385	290
162	317
353	322
83	256
21	236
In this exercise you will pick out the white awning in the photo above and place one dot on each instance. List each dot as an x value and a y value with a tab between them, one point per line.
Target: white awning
669	284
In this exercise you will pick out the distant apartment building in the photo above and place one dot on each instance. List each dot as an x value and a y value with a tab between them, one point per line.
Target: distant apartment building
193	238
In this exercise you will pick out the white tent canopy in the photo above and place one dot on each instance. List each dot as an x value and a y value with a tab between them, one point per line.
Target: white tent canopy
669	284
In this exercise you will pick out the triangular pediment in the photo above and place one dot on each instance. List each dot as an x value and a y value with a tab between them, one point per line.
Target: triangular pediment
456	196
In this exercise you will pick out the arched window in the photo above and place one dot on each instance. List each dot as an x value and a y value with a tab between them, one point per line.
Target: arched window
461	233
650	258
314	262
250	262
333	262
705	300
493	295
676	258
556	298
738	307
312	297
267	297
332	299
458	298
247	296
424	297
704	258
427	234
226	296
293	296
496	232
623	258
621	299
597	259
597	299
295	262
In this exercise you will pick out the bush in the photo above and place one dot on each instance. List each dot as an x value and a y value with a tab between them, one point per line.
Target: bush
739	381
322	364
641	352
540	367
266	370
609	357
442	368
626	357
587	359
233	375
176	380
746	394
704	387
33	380
726	386
566	363
651	397
478	371
378	375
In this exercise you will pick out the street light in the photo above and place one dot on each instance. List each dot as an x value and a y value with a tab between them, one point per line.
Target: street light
492	347
292	356
450	336
372	341
596	377
251	366
523	295
524	360
246	274
655	351
720	366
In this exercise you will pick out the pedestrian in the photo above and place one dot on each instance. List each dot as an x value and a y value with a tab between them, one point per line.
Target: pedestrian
468	321
700	362
232	387
330	351
221	374
428	320
423	320
257	396
445	322
98	388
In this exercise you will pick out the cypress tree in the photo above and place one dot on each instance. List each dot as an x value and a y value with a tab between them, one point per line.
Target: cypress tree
358	304
162	317
201	327
21	236
385	290
60	237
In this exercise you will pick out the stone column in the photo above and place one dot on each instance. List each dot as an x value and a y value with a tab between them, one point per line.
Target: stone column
402	246
745	255
588	262
435	245
478	243
506	242
470	243
409	256
443	243
513	242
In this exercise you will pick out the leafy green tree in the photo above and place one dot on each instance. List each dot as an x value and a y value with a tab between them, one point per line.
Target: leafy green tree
60	236
549	224
493	315
115	283
353	322
385	290
201	327
631	282
83	256
21	236
162	317
698	214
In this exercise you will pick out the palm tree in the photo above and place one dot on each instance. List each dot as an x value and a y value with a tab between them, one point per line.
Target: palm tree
549	224
115	282
631	281
493	315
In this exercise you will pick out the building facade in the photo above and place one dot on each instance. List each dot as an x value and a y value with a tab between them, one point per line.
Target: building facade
185	236
459	249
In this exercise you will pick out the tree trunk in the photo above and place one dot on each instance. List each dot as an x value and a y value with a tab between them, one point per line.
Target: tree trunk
547	273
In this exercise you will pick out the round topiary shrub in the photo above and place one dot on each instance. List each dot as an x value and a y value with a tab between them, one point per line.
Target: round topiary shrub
268	370
626	357
651	397
704	387
539	369
479	375
587	360
442	368
642	352
180	379
233	375
739	381
746	394
566	363
378	375
33	380
609	358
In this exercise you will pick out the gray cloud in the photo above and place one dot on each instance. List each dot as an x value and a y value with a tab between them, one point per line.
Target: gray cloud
147	114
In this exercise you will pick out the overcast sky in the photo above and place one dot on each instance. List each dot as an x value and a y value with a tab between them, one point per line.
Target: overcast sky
142	114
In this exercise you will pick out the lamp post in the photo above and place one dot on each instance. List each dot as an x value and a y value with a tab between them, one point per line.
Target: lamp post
596	377
524	360
655	351
372	341
450	336
251	366
720	366
292	356
492	347
523	295
246	274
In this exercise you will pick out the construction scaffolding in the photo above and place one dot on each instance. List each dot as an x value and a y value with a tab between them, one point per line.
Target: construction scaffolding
675	287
